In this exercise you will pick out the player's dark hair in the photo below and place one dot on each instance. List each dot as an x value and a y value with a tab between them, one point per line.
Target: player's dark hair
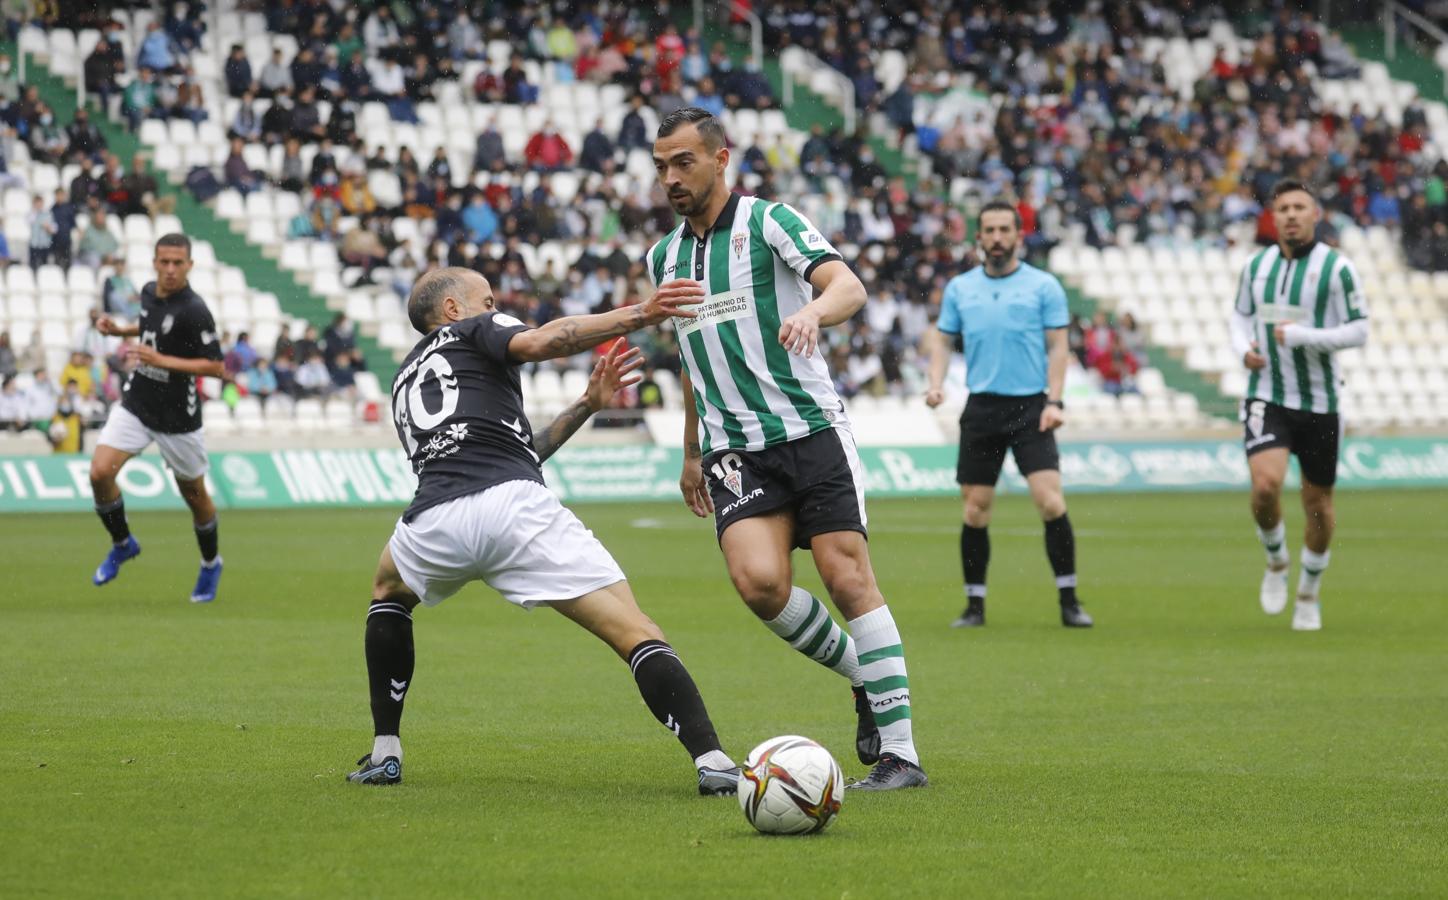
709	127
175	239
998	206
1288	185
425	302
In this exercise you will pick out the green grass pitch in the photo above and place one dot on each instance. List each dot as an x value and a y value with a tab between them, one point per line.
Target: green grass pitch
1188	746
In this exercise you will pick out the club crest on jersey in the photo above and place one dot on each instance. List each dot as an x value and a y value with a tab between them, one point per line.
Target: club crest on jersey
739	242
167	323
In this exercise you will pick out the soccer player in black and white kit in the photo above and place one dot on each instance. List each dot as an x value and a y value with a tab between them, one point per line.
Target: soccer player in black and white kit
483	513
160	404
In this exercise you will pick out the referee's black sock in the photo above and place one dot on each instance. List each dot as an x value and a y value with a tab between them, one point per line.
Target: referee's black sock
113	516
1061	551
389	662
672	697
974	560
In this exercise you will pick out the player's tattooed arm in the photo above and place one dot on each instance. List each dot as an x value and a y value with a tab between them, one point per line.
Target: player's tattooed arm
614	371
692	450
575	334
561	429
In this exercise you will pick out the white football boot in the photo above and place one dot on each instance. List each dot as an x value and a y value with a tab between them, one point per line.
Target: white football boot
1274	590
1307	615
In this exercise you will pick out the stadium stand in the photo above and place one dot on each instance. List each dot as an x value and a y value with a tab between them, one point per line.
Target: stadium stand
1136	145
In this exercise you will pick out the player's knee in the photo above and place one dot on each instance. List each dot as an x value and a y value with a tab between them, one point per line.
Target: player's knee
763	590
977	512
1265	489
1051	507
101	477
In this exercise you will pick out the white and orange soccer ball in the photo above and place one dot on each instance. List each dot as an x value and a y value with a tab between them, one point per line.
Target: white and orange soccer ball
790	785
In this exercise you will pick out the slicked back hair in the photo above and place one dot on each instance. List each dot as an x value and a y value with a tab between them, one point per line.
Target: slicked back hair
1288	185
424	304
709	127
175	239
998	206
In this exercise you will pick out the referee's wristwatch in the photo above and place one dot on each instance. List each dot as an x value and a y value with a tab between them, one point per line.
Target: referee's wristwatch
1057	403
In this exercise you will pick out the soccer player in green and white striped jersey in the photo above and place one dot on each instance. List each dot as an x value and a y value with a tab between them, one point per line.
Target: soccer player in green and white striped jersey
775	460
1298	303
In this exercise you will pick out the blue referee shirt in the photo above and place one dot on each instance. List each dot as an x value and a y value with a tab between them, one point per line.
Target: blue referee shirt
1004	322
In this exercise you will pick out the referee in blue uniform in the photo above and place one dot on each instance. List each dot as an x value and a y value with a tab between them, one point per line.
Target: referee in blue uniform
1012	317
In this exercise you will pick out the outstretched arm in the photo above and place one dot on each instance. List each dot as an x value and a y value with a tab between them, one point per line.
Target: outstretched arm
575	334
611	373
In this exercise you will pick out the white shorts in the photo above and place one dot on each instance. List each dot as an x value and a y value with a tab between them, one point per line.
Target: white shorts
515	536
185	453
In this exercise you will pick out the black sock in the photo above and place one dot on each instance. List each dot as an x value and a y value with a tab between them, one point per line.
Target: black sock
206	540
389	662
1061	551
669	691
113	516
974	560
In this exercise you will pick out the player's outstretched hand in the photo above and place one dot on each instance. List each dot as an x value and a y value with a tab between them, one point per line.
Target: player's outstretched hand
934	397
1253	359
614	371
674	299
695	488
800	333
106	325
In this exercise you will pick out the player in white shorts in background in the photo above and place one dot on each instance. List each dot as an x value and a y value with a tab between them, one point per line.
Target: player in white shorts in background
483	513
160	405
1298	303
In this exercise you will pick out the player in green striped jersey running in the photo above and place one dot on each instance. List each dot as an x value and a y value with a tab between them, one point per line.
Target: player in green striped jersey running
774	460
1298	303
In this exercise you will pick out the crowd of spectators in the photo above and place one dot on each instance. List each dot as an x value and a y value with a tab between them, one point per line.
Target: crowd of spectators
312	366
1090	136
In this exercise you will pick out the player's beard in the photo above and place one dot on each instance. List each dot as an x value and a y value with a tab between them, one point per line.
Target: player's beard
690	204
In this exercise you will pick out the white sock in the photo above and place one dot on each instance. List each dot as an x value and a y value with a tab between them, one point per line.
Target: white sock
882	667
385	745
1274	541
1313	565
807	626
213	564
714	759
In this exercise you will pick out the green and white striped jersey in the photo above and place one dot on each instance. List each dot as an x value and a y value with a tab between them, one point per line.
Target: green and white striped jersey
1319	290
754	264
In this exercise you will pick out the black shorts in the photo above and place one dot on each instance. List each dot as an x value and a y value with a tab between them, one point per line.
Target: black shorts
817	477
992	423
1314	438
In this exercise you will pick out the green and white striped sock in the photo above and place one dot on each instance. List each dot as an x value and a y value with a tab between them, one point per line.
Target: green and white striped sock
1313	565
882	666
807	626
1274	541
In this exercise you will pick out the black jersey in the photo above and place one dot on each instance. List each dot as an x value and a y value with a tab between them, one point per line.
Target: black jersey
177	325
457	403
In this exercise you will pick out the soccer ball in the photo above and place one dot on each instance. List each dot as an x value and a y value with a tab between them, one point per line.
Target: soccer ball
790	785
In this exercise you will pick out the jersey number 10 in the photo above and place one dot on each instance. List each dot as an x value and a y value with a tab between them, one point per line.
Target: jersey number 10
411	411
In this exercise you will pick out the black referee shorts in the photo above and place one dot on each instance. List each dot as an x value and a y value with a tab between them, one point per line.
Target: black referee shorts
993	423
